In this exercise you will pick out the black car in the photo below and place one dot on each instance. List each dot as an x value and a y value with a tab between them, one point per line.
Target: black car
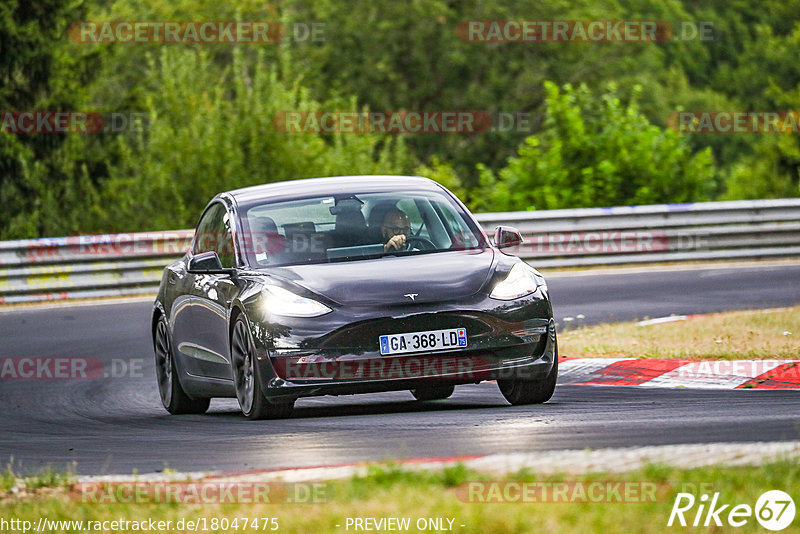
293	290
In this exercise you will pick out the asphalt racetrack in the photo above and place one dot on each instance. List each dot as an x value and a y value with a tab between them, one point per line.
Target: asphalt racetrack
117	425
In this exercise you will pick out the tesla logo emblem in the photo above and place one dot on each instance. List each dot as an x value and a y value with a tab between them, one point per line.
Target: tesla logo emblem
412	296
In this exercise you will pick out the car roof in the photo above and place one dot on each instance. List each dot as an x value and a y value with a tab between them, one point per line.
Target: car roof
331	185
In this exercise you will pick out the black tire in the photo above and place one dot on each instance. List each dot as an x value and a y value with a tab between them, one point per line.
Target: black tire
173	397
247	378
433	392
517	391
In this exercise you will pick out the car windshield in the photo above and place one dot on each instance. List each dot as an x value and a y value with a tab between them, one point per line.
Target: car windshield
350	227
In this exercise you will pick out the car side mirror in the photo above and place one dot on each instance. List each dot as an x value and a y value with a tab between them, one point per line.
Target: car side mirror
206	263
507	237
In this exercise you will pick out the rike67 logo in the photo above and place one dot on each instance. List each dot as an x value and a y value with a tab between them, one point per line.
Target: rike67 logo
774	510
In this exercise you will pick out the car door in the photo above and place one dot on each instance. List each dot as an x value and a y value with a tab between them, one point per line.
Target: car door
205	349
187	287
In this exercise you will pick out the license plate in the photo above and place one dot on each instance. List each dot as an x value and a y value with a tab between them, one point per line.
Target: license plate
430	340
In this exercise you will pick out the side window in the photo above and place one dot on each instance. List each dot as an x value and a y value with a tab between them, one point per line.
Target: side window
225	251
204	238
454	225
214	234
414	217
460	233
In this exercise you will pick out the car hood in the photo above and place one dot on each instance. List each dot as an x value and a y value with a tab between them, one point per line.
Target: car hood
388	280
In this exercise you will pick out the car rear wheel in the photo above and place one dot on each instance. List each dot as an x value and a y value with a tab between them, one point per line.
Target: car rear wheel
433	392
174	399
518	391
247	378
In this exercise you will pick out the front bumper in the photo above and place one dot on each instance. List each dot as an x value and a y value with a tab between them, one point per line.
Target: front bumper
338	353
517	343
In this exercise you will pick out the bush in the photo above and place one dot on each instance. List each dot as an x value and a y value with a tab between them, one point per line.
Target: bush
596	151
210	132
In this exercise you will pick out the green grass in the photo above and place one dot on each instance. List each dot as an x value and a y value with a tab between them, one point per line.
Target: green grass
46	478
7	480
741	335
390	491
49	478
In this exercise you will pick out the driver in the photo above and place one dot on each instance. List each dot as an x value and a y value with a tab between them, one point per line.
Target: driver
394	230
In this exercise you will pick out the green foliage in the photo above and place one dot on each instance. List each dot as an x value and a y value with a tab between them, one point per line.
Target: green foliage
596	151
210	106
398	55
43	177
444	174
211	131
772	172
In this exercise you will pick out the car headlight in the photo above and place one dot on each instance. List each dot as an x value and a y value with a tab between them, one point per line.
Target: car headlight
279	301
521	280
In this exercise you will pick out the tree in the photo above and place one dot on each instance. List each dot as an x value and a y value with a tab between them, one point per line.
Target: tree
213	130
40	174
596	151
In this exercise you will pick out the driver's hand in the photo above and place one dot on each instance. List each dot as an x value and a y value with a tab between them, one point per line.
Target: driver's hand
397	242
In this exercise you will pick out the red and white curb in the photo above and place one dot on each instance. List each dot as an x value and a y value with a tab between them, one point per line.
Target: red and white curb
645	372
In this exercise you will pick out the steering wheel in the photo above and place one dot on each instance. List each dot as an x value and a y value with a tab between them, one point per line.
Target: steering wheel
426	244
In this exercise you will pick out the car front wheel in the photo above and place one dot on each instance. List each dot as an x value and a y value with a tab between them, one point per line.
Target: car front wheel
247	379
518	391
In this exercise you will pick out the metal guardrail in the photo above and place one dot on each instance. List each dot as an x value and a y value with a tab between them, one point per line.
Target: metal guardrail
127	264
748	229
87	266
